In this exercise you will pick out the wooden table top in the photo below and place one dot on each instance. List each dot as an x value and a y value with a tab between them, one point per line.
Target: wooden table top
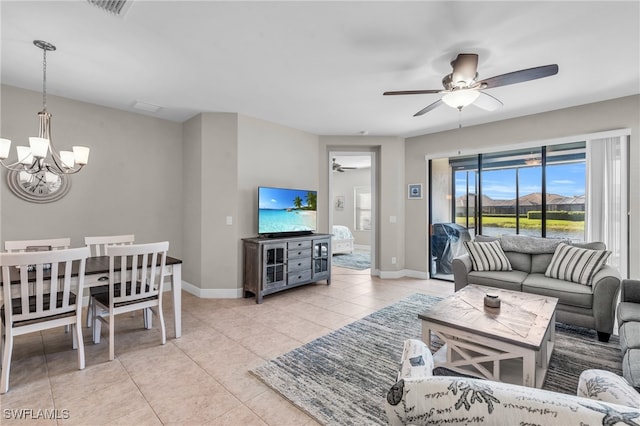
522	319
94	265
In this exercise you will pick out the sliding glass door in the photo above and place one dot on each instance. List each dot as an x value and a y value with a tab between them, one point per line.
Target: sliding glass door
534	191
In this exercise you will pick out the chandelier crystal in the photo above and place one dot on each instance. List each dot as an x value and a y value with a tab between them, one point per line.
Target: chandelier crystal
41	157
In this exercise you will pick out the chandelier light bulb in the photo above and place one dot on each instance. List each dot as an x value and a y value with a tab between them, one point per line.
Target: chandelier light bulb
24	155
5	146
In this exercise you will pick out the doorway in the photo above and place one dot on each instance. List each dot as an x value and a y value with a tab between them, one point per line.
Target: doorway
352	212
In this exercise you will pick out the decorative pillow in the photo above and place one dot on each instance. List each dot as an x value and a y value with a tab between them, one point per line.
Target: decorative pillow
416	360
487	256
576	264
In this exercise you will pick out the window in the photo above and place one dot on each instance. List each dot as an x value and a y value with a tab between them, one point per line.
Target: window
533	191
362	196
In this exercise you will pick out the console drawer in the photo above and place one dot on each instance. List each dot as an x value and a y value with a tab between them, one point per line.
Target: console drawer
299	253
293	245
296	265
299	277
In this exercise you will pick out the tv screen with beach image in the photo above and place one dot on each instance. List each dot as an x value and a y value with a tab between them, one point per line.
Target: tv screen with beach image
284	210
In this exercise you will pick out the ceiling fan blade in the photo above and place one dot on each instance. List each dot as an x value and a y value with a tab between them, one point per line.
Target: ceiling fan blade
412	92
428	108
519	76
465	68
487	102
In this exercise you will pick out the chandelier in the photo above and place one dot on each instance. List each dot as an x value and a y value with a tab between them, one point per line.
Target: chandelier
40	158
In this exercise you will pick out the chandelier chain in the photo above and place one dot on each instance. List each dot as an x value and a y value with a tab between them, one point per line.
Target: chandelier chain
44	80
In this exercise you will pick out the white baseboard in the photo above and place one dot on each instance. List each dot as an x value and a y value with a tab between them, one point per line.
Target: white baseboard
212	293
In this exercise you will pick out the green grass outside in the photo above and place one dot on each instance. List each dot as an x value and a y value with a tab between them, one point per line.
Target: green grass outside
510	222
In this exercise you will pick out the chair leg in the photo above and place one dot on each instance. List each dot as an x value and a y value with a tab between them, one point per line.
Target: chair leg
74	337
97	329
147	314
77	337
6	362
162	327
89	310
112	323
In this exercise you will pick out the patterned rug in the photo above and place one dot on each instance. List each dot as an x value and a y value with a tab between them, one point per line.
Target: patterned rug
342	378
358	260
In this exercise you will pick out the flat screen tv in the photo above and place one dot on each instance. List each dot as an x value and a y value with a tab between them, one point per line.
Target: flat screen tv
286	211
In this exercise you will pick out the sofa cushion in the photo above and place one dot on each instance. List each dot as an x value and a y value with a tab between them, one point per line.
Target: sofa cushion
631	367
628	311
568	293
508	280
576	264
540	262
594	245
630	336
519	261
487	256
531	245
606	386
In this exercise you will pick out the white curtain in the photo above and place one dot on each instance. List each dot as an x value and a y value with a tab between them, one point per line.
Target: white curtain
606	217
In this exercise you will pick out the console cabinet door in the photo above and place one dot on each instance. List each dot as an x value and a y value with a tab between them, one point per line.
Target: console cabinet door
321	259
274	265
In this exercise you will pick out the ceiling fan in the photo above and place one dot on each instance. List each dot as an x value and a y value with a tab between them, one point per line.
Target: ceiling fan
340	168
462	89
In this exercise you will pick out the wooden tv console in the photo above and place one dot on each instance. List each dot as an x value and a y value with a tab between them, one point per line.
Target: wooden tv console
271	265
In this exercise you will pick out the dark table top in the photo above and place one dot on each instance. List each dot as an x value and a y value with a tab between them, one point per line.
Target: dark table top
94	265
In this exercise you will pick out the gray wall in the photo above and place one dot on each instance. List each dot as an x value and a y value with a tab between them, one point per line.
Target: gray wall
132	184
597	117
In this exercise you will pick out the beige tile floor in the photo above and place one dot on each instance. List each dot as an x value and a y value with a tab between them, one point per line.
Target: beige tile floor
201	378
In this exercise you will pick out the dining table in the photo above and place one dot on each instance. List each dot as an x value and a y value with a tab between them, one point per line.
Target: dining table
97	274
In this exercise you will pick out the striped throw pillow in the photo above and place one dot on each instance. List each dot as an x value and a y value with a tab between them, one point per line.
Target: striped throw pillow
487	256
576	264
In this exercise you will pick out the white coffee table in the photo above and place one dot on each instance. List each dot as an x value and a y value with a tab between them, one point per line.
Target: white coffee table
511	344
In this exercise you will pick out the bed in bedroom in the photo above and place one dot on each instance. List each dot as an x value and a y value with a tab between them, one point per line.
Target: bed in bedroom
341	240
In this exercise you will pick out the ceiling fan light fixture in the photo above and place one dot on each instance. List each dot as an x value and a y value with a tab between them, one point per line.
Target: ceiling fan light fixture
460	98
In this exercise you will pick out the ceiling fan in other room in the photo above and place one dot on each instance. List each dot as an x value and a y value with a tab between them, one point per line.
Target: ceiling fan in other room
462	89
340	168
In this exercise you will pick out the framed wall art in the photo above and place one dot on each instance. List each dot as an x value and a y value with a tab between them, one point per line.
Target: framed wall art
414	191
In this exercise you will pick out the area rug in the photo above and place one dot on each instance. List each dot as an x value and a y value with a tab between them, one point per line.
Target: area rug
342	378
358	260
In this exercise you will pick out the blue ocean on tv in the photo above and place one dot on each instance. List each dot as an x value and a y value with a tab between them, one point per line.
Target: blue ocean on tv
287	220
286	210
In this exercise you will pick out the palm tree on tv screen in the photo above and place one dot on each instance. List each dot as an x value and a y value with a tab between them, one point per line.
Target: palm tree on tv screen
297	202
311	200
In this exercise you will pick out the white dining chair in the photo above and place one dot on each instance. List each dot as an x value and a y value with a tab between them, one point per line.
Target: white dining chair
144	267
37	245
53	303
19	246
98	247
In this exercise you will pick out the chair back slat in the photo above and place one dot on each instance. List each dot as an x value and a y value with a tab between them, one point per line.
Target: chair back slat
24	245
144	264
98	245
34	302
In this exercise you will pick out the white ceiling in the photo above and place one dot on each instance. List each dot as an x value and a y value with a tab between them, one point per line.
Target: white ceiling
322	66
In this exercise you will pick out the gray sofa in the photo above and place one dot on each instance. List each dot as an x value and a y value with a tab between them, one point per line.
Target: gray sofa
592	306
629	322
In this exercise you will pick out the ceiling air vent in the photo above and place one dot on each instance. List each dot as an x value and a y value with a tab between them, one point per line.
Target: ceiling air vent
115	7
